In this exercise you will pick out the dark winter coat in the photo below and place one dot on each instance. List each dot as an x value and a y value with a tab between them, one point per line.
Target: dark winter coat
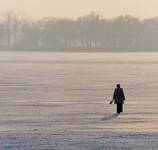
118	96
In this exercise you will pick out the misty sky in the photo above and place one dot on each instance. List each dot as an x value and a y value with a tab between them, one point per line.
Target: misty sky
74	8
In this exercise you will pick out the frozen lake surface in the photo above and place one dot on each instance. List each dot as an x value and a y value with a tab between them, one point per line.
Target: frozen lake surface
61	101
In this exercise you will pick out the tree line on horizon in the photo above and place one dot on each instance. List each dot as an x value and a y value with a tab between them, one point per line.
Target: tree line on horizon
87	33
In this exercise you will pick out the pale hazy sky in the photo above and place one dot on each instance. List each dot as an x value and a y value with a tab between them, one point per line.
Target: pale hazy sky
76	8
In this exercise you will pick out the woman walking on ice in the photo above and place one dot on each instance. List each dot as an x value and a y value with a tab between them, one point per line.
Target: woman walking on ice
118	98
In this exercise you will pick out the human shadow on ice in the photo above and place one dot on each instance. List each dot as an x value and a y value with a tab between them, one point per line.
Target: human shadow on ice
111	116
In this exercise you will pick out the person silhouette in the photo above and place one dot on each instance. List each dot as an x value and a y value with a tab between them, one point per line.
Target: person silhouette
118	98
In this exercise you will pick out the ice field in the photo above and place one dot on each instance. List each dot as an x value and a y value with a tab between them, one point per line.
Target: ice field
60	101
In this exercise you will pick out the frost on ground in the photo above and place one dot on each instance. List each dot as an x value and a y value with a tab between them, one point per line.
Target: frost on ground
61	101
88	141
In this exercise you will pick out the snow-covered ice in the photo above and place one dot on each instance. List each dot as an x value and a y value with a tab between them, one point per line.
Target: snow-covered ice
61	101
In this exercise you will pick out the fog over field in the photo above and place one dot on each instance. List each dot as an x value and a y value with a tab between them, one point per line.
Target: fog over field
61	101
89	33
79	25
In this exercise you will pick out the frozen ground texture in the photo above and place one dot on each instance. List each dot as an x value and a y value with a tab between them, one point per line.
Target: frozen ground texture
61	101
